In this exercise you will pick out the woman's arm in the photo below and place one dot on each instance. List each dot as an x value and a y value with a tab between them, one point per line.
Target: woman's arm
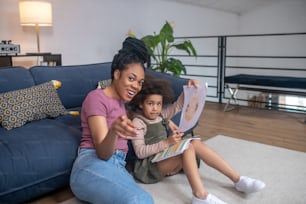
105	146
105	139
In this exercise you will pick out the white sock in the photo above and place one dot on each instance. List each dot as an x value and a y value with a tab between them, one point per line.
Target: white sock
249	185
210	199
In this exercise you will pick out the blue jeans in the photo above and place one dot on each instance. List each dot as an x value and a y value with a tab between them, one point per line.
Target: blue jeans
97	181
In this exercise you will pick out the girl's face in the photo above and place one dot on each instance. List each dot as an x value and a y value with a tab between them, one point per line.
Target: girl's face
129	81
152	106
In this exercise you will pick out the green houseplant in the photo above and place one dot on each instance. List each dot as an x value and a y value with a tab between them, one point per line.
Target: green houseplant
159	46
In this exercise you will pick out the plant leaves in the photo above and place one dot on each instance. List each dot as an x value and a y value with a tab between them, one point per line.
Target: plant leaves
175	66
159	45
187	47
191	48
166	33
151	42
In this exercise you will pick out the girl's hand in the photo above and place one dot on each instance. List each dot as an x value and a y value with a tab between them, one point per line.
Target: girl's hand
124	128
175	138
193	82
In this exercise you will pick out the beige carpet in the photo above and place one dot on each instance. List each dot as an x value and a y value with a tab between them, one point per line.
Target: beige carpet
283	171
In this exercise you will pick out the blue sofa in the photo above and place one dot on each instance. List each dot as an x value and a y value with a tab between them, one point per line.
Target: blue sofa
37	157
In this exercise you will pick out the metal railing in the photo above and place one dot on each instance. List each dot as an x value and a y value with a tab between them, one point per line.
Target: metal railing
279	54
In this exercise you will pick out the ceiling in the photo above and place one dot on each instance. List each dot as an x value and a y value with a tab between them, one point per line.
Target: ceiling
234	6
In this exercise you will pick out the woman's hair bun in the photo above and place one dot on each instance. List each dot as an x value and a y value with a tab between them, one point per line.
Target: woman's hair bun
133	51
137	47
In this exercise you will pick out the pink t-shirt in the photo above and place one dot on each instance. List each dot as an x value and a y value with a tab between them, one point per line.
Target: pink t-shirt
97	103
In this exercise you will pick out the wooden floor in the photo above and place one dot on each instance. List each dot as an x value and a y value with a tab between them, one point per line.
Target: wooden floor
275	128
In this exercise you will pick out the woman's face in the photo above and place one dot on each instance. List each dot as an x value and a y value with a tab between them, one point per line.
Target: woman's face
129	81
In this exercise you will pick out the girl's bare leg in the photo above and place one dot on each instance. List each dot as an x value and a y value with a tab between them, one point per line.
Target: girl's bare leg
191	170
170	166
188	162
212	159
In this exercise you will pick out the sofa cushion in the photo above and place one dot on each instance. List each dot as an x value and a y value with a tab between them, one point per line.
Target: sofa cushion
37	158
21	106
71	120
104	83
77	81
13	78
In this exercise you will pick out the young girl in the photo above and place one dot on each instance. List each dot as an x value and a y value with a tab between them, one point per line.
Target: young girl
151	123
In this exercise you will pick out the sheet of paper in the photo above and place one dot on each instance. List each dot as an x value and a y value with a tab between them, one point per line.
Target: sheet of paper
194	100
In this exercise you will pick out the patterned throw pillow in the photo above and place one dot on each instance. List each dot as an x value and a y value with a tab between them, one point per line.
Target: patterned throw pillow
21	106
104	83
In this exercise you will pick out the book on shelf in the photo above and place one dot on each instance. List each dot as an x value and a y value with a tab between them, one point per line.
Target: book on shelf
174	150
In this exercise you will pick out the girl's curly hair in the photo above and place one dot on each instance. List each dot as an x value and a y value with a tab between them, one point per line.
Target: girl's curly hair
151	86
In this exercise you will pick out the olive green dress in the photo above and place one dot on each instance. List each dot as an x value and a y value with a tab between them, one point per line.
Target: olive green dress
144	169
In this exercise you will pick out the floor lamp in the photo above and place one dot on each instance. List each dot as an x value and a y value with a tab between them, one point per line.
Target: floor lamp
35	13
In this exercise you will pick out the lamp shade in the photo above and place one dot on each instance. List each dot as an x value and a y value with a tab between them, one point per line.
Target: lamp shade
34	13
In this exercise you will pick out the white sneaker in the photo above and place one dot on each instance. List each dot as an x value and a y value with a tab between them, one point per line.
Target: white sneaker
210	199
249	185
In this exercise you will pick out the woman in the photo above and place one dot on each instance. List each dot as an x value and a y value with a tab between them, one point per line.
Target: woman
98	174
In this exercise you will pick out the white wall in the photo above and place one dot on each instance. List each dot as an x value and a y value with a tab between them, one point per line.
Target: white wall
279	17
90	31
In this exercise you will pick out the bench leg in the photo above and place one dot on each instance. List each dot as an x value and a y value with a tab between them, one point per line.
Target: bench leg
233	97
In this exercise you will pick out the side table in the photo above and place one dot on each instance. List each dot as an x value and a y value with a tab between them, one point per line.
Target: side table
47	59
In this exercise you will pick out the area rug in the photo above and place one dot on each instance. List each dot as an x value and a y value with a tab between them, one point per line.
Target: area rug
283	171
